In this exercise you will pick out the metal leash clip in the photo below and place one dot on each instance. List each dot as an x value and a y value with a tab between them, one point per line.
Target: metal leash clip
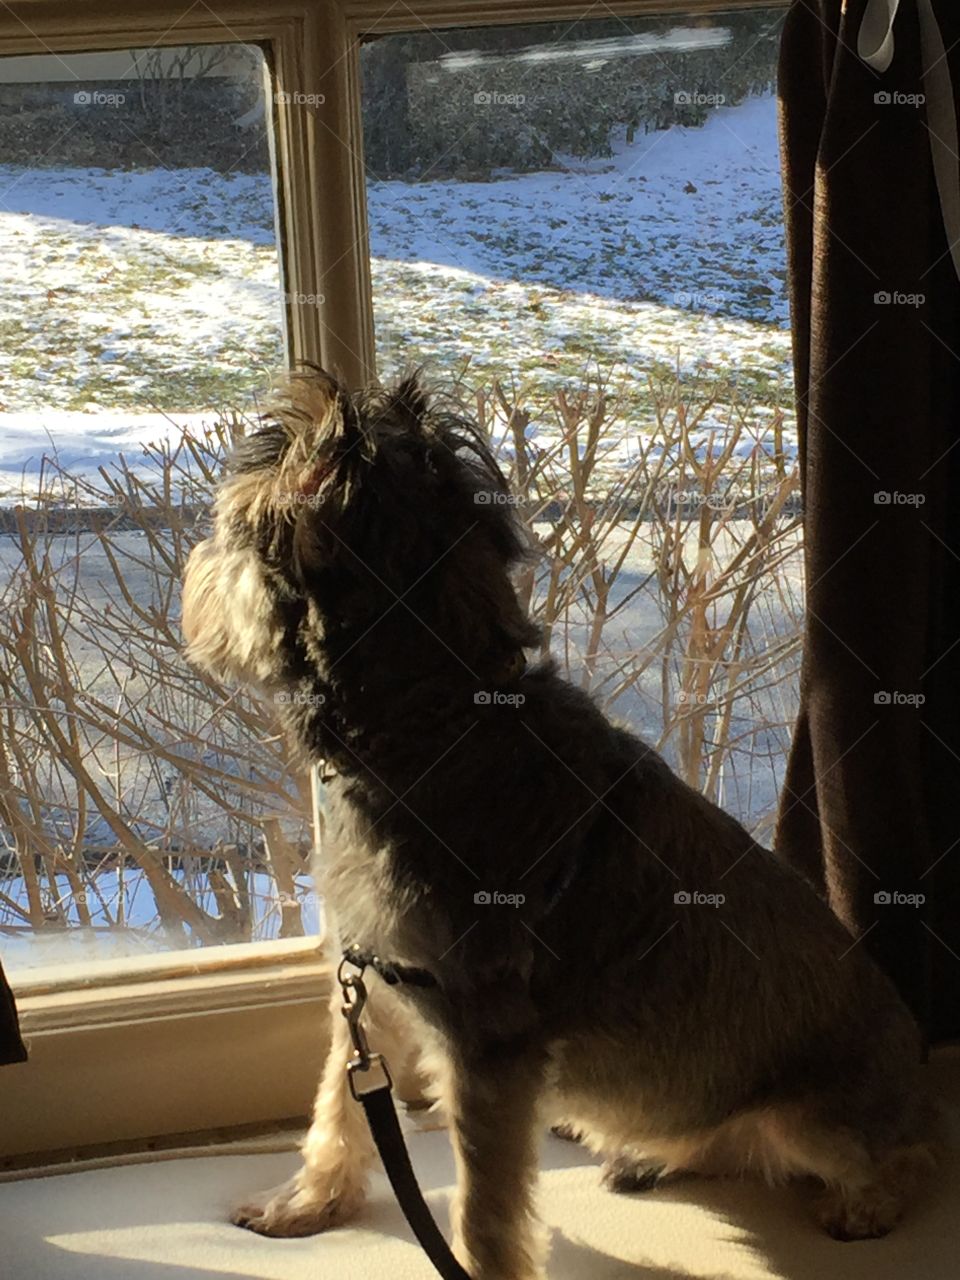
363	1061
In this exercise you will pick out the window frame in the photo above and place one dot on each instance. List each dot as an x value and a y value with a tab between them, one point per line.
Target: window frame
244	1028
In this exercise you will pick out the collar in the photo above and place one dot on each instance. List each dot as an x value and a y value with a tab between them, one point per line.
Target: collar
392	974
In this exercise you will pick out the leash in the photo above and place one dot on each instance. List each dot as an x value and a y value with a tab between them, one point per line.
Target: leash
372	1086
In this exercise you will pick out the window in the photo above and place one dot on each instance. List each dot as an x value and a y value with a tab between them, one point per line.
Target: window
605	190
222	226
143	810
581	222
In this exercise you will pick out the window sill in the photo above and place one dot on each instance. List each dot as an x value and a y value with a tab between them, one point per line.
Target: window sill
176	1044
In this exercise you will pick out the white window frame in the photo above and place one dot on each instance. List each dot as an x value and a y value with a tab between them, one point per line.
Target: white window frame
212	1040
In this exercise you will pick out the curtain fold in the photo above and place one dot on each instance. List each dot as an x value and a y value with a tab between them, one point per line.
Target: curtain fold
869	811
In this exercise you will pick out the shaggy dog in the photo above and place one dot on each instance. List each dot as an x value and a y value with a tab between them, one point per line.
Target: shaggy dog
604	946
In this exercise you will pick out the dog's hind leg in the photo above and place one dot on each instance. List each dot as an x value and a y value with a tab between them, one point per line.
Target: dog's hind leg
867	1185
871	1203
338	1151
865	1197
492	1104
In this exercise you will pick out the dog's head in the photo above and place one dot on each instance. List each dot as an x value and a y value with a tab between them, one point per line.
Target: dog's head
367	522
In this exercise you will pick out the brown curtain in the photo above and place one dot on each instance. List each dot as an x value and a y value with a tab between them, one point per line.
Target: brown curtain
11	1046
871	807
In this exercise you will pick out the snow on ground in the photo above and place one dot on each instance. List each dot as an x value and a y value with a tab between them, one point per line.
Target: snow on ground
73	438
128	296
138	298
138	935
687	217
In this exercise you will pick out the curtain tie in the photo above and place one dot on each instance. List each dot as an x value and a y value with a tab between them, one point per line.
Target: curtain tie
876	46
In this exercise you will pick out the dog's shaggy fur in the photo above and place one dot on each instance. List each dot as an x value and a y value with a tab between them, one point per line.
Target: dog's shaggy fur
359	573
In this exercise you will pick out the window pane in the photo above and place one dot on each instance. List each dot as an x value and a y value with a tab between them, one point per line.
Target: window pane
142	311
583	224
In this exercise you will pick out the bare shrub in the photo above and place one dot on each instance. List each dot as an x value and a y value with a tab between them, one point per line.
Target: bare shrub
138	795
120	765
671	581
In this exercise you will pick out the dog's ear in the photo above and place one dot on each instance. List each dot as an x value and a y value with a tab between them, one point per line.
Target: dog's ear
339	434
342	443
322	482
347	427
322	426
407	403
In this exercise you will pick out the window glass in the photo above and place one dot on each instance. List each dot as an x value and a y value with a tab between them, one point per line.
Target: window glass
577	229
141	806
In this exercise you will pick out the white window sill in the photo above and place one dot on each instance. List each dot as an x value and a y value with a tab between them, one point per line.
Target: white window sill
172	1044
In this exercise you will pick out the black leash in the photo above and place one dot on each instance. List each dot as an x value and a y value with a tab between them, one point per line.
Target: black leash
375	1095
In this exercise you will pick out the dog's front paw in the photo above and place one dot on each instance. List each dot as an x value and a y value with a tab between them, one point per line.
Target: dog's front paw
300	1207
566	1132
627	1174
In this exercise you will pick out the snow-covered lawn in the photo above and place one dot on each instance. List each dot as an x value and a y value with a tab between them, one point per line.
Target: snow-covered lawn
135	301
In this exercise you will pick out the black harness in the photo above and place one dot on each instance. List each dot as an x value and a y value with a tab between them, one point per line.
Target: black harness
392	974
